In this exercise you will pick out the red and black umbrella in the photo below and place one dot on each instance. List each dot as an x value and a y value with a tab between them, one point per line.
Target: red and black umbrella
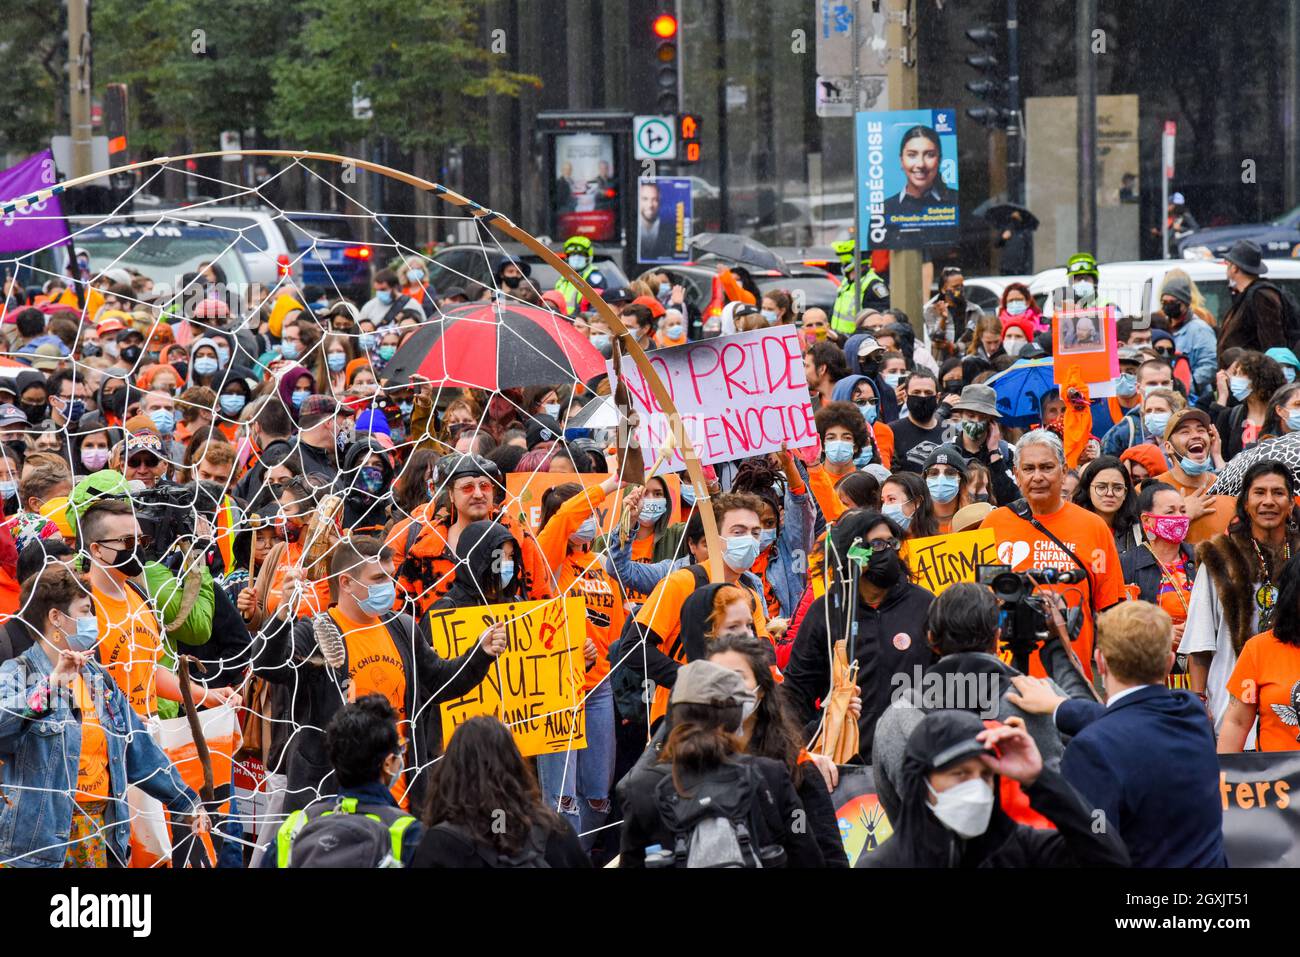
494	346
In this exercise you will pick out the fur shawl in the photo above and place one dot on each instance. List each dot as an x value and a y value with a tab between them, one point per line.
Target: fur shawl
1234	569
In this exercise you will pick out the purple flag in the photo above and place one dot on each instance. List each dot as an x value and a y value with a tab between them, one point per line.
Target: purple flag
35	226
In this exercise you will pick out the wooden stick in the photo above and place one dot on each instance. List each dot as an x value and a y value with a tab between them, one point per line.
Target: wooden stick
207	792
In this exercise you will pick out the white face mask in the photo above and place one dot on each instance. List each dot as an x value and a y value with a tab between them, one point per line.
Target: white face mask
1013	347
964	809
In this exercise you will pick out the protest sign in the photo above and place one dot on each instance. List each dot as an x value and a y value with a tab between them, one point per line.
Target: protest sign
1261	827
942	560
39	224
859	813
525	490
1086	339
907	177
535	684
739	396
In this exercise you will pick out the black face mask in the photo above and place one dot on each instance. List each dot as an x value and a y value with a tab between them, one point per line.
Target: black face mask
1173	309
922	407
128	563
511	282
130	353
883	569
115	402
35	411
870	368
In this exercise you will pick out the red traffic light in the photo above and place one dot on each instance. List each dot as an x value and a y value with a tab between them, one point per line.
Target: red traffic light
665	26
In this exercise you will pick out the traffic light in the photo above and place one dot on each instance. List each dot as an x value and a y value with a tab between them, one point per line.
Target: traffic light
688	138
990	86
664	30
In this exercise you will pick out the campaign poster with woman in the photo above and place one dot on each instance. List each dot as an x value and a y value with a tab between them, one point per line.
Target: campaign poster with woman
907	177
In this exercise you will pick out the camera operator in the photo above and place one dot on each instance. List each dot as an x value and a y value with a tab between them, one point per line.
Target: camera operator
1045	531
963	629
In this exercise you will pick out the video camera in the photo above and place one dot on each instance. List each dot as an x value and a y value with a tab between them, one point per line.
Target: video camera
167	513
1023	614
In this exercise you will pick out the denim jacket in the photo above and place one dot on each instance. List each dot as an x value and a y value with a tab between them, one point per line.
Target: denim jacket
41	755
787	566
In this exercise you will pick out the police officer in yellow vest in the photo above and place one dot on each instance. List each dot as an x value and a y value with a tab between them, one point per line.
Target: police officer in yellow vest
849	301
580	256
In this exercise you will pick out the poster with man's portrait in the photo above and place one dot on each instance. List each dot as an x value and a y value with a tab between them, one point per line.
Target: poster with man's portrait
663	221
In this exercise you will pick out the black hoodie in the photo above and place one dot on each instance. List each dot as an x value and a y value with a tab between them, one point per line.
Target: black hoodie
362	509
478	579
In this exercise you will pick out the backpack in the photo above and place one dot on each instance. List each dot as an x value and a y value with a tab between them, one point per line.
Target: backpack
713	825
342	833
1290	313
531	855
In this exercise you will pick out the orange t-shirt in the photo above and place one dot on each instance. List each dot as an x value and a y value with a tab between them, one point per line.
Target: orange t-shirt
375	667
315	598
1267	675
1210	524
884	441
1022	546
92	765
130	644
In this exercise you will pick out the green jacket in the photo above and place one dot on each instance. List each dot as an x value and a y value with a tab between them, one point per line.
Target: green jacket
166	592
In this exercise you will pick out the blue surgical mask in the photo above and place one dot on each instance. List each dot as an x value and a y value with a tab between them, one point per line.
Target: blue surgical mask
665	290
1293	420
892	379
1288	373
1017	307
8	489
578	261
1155	422
385	296
869	413
336	361
688	494
367	341
896	514
1192	467
653	509
379	598
232	404
164	420
552	409
206	365
586	531
740	552
1239	386
406	408
600	342
86	636
415	275
771	316
943	488
765	539
299	397
1126	385
839	451
289	348
864	457
507	573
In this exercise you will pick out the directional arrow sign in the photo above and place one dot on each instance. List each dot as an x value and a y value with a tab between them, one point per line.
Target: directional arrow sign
654	137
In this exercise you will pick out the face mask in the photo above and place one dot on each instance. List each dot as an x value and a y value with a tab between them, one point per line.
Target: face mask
344	437
771	316
1172	309
1083	289
415	275
974	430
379	598
1293	420
1017	307
232	404
76	408
673	333
892	379
922	407
868	412
943	488
1155	422
299	397
223	353
586	532
863	458
1288	373
896	515
688	494
748	706
740	552
131	353
164	420
205	365
35	411
384	296
512	282
366	341
372	479
507	573
94	459
1171	528
1126	385
128	563
838	451
552	409
766	538
577	261
289	349
1192	467
336	361
600	342
665	290
406	408
1239	386
964	809
111	349
883	568
653	509
86	636
387	352
8	489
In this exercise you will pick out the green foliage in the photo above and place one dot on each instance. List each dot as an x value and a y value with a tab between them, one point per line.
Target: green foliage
33	53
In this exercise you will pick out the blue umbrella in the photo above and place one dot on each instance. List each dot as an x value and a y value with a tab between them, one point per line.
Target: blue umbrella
1020	390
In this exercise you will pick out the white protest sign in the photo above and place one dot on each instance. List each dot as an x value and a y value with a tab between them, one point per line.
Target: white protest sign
738	396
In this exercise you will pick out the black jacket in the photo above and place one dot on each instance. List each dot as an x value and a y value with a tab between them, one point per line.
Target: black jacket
443	848
362	509
890	641
1141	568
478	580
777	806
288	655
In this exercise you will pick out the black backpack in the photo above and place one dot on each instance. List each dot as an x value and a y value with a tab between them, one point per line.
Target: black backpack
714	825
1290	313
339	832
531	855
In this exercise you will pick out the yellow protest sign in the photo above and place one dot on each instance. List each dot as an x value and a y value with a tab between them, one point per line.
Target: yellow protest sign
942	560
536	683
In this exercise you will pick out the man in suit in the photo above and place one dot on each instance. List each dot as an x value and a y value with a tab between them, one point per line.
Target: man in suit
1146	759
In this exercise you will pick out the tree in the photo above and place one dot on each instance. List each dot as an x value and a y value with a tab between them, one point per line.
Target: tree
33	54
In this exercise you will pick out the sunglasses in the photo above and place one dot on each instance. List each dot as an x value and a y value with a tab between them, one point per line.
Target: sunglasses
143	461
129	543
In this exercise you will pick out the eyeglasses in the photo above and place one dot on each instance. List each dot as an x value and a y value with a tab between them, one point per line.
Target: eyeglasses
130	543
883	544
1114	489
483	485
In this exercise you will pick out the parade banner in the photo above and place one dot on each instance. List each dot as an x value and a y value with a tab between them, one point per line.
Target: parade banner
40	224
536	684
858	811
663	224
738	396
907	177
525	490
943	560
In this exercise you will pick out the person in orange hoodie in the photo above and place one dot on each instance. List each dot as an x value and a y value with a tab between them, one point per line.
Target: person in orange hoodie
578	783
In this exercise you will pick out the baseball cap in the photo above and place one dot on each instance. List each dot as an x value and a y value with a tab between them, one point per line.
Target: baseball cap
946	455
1130	354
12	415
706	683
970	516
316	409
650	302
868	346
618	295
945	738
1182	416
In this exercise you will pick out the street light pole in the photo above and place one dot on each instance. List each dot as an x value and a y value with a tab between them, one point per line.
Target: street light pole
1086	95
1015	132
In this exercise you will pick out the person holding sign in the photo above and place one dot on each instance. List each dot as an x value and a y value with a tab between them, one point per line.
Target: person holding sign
487	568
358	648
578	782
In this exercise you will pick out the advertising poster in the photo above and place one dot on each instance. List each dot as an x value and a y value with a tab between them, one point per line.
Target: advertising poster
586	190
907	177
663	222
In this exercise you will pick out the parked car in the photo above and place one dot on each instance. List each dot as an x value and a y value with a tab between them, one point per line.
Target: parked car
986	291
806	220
462	265
1280	237
331	255
268	243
